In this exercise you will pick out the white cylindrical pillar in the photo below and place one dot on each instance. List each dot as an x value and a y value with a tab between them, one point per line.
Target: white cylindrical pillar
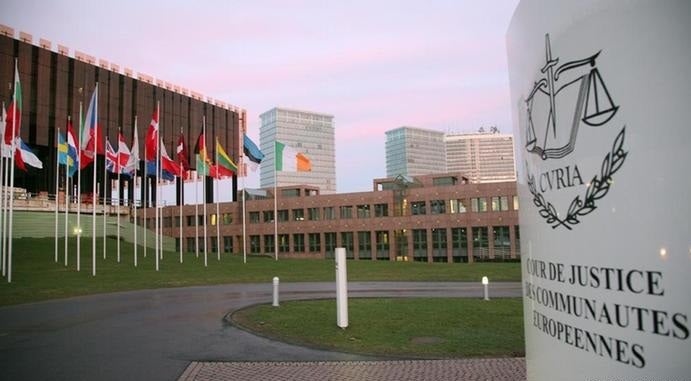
341	288
275	301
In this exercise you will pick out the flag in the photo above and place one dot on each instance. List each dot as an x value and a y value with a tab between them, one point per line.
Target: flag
152	169
13	120
169	165
72	149
133	161
27	155
181	153
152	137
90	128
251	150
290	160
123	153
18	155
202	159
225	167
111	158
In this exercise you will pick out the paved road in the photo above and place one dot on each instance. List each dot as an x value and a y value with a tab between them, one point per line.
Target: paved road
156	334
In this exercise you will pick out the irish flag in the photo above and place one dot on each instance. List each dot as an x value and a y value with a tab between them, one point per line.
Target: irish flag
290	160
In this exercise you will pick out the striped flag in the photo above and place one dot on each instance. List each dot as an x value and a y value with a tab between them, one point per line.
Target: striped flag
290	160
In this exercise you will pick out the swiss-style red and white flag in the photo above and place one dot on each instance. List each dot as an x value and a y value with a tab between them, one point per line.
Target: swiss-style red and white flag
152	137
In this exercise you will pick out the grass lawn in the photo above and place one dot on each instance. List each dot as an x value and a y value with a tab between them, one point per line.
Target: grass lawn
36	276
417	327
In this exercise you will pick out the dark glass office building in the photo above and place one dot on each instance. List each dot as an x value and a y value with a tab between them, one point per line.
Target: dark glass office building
54	83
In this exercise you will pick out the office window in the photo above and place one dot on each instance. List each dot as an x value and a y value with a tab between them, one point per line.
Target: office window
191	245
439	243
502	242
269	244
298	242
348	243
346	212
226	218
363	211
457	206
504	203
495	203
255	242
515	202
438	206
313	214
364	242
478	204
329	244
282	215
283	243
382	243
213	243
459	244
227	244
314	242
420	244
418	208
480	243
381	210
329	213
212	219
254	217
190	220
268	215
298	214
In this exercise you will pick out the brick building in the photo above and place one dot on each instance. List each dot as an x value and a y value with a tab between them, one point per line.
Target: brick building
434	218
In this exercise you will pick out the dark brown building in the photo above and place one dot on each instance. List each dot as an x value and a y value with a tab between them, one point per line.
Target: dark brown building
434	218
54	84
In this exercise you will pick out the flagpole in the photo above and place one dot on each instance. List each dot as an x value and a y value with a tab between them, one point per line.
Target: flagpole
204	192
57	184
218	221
134	192
244	227
275	211
13	151
145	184
196	213
105	181
119	199
3	194
182	201
79	192
68	190
5	208
93	192
158	179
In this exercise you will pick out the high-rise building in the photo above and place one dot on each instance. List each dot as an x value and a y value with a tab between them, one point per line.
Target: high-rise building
307	132
482	157
414	151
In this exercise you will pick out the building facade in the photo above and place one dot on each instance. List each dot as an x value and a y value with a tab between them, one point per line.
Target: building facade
308	132
482	157
433	218
414	151
55	84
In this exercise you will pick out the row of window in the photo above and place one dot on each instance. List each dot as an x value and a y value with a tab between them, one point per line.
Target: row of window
477	205
441	239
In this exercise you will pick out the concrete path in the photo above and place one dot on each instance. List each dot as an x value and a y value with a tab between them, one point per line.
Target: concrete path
157	334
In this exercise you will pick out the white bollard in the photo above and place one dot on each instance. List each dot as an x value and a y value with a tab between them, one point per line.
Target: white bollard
341	288
275	302
485	282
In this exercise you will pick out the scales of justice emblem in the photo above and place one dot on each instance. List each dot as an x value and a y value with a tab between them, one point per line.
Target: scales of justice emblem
551	133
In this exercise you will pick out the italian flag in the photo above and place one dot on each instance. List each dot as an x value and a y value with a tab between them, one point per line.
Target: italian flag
290	160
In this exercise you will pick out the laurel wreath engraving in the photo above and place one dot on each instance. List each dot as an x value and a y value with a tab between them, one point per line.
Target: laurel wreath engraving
597	189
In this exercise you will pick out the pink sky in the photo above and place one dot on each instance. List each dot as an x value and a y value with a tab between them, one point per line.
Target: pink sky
374	65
